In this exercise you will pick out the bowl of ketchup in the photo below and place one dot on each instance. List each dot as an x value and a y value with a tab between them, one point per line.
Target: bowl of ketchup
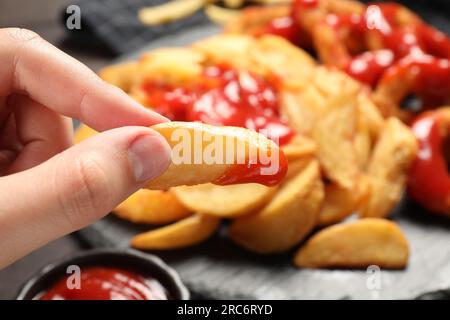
106	274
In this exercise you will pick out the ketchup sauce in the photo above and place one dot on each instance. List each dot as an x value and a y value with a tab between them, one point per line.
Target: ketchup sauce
223	96
251	173
429	179
412	44
284	27
105	283
370	66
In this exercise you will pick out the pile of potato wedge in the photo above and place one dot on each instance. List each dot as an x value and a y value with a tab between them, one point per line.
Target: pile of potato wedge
346	160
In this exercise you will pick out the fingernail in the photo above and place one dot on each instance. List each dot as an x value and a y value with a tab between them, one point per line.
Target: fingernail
149	157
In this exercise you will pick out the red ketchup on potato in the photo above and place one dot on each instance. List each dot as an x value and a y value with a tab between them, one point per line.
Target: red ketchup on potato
223	96
106	283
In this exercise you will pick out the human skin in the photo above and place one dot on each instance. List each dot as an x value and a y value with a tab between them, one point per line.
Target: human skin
49	188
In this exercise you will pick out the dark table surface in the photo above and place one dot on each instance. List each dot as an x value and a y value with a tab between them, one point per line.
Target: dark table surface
43	17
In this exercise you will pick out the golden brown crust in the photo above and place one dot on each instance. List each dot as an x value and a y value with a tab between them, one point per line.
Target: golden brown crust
357	244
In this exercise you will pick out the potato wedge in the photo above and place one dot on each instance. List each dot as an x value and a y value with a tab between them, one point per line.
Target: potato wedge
280	57
357	244
297	166
203	153
334	134
388	168
332	82
170	65
152	206
224	201
121	75
340	203
184	233
287	219
371	115
299	147
302	108
362	141
231	49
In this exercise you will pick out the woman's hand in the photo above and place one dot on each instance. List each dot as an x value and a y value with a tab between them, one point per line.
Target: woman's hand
46	188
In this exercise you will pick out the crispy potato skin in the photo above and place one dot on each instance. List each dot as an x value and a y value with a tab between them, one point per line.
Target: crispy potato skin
287	219
121	75
224	201
152	206
334	134
299	147
357	244
340	202
388	168
184	233
193	174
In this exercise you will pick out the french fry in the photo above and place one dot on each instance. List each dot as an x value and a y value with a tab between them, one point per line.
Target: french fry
233	3
357	244
184	233
185	137
152	206
388	168
144	206
287	218
224	201
221	16
170	11
270	2
334	133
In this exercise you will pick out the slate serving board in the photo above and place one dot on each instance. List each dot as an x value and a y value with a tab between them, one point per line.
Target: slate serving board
219	269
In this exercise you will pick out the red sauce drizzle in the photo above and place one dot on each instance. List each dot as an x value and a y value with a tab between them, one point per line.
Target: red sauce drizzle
415	45
251	173
429	180
99	283
370	66
227	97
223	96
284	27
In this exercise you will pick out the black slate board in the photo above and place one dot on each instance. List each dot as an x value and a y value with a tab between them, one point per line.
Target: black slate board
219	269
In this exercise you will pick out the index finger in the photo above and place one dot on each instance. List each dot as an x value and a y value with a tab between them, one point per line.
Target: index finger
33	66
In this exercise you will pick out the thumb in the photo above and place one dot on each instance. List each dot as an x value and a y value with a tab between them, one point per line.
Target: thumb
76	187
